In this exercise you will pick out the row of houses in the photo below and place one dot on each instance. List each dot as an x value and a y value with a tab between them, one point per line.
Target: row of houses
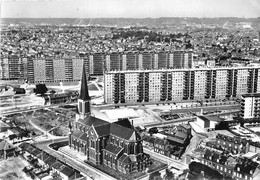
171	142
230	155
44	161
239	168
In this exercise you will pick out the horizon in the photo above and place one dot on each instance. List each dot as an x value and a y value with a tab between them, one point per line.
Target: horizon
127	17
130	9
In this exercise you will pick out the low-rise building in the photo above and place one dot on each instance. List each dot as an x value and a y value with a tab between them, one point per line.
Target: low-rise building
208	122
6	150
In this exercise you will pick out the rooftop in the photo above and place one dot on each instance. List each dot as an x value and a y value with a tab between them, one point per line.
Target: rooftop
251	95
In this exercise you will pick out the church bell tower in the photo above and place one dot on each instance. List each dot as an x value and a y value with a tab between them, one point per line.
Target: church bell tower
84	100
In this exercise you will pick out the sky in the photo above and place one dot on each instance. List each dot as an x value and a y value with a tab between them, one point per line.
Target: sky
128	8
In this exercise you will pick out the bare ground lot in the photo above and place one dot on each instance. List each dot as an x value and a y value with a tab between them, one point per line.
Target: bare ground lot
53	120
11	169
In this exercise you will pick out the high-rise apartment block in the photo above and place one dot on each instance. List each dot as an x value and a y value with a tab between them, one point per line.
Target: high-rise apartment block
250	106
67	68
148	60
180	84
13	67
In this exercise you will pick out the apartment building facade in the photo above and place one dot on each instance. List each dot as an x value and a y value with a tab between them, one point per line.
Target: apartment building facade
147	60
41	69
13	67
179	84
250	106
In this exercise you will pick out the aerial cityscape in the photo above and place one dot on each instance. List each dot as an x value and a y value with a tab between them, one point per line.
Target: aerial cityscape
146	90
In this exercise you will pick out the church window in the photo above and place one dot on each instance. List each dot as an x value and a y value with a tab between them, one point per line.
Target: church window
87	107
80	107
121	143
112	140
92	143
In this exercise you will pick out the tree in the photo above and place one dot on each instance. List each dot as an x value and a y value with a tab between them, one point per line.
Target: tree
12	137
155	176
225	49
169	175
41	89
222	125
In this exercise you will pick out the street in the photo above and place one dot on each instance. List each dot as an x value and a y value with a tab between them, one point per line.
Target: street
171	162
84	168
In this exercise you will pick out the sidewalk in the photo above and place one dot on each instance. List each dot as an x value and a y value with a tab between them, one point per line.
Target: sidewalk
73	153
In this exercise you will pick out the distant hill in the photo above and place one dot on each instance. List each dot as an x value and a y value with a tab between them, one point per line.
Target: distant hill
130	21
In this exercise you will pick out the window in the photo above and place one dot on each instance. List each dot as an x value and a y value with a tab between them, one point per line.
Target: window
112	140
121	144
92	142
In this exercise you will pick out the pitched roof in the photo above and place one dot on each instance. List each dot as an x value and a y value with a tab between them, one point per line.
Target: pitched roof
84	87
83	136
103	130
211	118
50	160
24	145
68	171
125	123
246	165
77	133
5	146
36	152
124	159
121	131
57	165
113	149
3	124
43	156
90	120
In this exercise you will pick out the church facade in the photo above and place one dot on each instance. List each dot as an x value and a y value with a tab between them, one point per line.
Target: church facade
116	145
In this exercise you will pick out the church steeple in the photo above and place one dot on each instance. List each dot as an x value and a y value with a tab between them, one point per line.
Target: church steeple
84	98
84	87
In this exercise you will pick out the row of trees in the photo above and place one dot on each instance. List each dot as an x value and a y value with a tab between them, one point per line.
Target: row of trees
40	89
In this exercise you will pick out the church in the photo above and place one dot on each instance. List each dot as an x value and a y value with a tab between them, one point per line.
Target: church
116	145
